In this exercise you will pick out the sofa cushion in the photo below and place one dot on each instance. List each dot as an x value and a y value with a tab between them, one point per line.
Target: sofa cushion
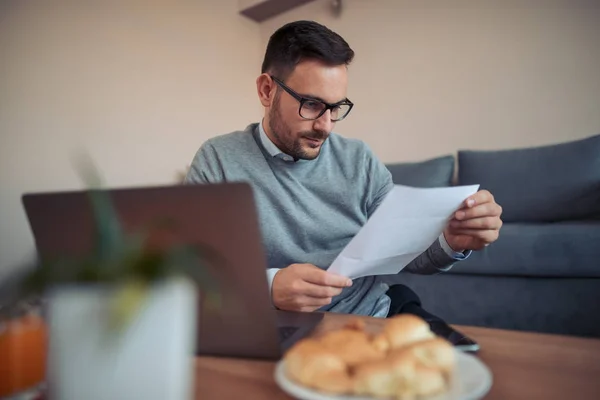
562	249
539	184
435	172
559	306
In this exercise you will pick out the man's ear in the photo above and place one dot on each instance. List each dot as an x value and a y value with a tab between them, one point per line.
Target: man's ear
266	89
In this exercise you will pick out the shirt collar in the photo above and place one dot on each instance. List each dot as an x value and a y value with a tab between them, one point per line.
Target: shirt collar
271	148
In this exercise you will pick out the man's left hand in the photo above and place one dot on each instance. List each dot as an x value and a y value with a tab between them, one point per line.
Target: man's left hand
476	224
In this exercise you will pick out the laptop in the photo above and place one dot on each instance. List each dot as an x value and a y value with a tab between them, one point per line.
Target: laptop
221	216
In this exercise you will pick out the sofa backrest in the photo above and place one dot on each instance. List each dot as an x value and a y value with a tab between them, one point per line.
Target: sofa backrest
539	184
435	172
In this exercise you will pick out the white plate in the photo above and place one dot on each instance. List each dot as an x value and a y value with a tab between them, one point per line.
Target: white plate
472	380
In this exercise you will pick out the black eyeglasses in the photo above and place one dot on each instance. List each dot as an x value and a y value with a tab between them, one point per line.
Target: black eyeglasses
314	108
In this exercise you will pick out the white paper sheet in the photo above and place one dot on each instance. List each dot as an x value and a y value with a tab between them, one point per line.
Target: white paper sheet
406	223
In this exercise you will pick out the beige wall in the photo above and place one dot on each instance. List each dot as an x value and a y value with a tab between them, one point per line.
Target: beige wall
431	77
138	84
141	84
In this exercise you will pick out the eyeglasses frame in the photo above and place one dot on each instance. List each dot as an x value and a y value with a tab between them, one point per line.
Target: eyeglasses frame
301	99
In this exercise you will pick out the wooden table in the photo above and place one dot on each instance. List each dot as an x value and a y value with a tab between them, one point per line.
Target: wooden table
524	366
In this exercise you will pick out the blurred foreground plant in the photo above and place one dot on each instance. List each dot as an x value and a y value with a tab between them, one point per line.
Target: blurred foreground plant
124	263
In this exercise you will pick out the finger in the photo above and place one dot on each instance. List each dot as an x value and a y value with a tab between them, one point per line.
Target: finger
308	301
487	236
481	210
324	278
309	308
318	291
481	197
477	223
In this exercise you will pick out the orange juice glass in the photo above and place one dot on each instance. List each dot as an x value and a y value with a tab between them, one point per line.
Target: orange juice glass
23	349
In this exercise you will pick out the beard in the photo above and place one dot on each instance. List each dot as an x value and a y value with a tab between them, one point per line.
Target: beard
290	143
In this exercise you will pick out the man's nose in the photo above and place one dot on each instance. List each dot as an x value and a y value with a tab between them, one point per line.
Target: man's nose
323	123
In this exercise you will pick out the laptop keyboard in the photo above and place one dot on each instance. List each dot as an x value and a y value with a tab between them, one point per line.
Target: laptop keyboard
286	331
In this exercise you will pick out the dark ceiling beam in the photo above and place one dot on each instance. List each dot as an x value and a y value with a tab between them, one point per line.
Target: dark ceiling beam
266	9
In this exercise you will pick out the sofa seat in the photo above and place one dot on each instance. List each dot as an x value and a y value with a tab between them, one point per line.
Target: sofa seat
562	249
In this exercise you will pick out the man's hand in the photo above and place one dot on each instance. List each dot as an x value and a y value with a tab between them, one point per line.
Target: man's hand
476	224
305	287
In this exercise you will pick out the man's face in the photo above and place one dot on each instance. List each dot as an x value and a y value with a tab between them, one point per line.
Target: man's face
294	135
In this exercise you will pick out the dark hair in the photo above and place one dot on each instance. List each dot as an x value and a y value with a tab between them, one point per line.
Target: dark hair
304	40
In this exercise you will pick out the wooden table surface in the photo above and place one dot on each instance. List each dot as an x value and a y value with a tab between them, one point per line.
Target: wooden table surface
523	365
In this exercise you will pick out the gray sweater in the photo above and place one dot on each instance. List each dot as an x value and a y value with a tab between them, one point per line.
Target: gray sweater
310	209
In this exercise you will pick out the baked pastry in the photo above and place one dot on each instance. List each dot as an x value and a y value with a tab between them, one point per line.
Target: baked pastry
426	382
401	375
425	378
435	353
352	345
383	378
405	361
312	365
402	330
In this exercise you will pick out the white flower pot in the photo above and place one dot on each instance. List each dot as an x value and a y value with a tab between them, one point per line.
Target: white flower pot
153	358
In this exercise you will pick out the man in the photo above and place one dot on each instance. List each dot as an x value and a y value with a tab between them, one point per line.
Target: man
315	189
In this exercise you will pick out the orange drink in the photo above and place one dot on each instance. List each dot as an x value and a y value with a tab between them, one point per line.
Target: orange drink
23	342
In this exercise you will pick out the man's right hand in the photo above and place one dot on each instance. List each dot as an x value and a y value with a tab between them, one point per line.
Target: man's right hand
305	287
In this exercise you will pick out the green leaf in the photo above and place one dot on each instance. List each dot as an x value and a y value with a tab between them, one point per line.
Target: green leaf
108	230
126	303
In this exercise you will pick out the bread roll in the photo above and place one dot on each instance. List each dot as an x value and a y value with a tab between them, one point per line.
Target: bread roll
425	382
384	378
402	330
356	324
405	361
310	364
414	379
352	346
401	375
434	353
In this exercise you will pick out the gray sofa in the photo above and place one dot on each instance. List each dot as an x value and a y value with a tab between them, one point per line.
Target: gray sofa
543	273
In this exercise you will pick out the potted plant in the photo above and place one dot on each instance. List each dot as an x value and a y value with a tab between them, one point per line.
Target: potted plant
121	321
